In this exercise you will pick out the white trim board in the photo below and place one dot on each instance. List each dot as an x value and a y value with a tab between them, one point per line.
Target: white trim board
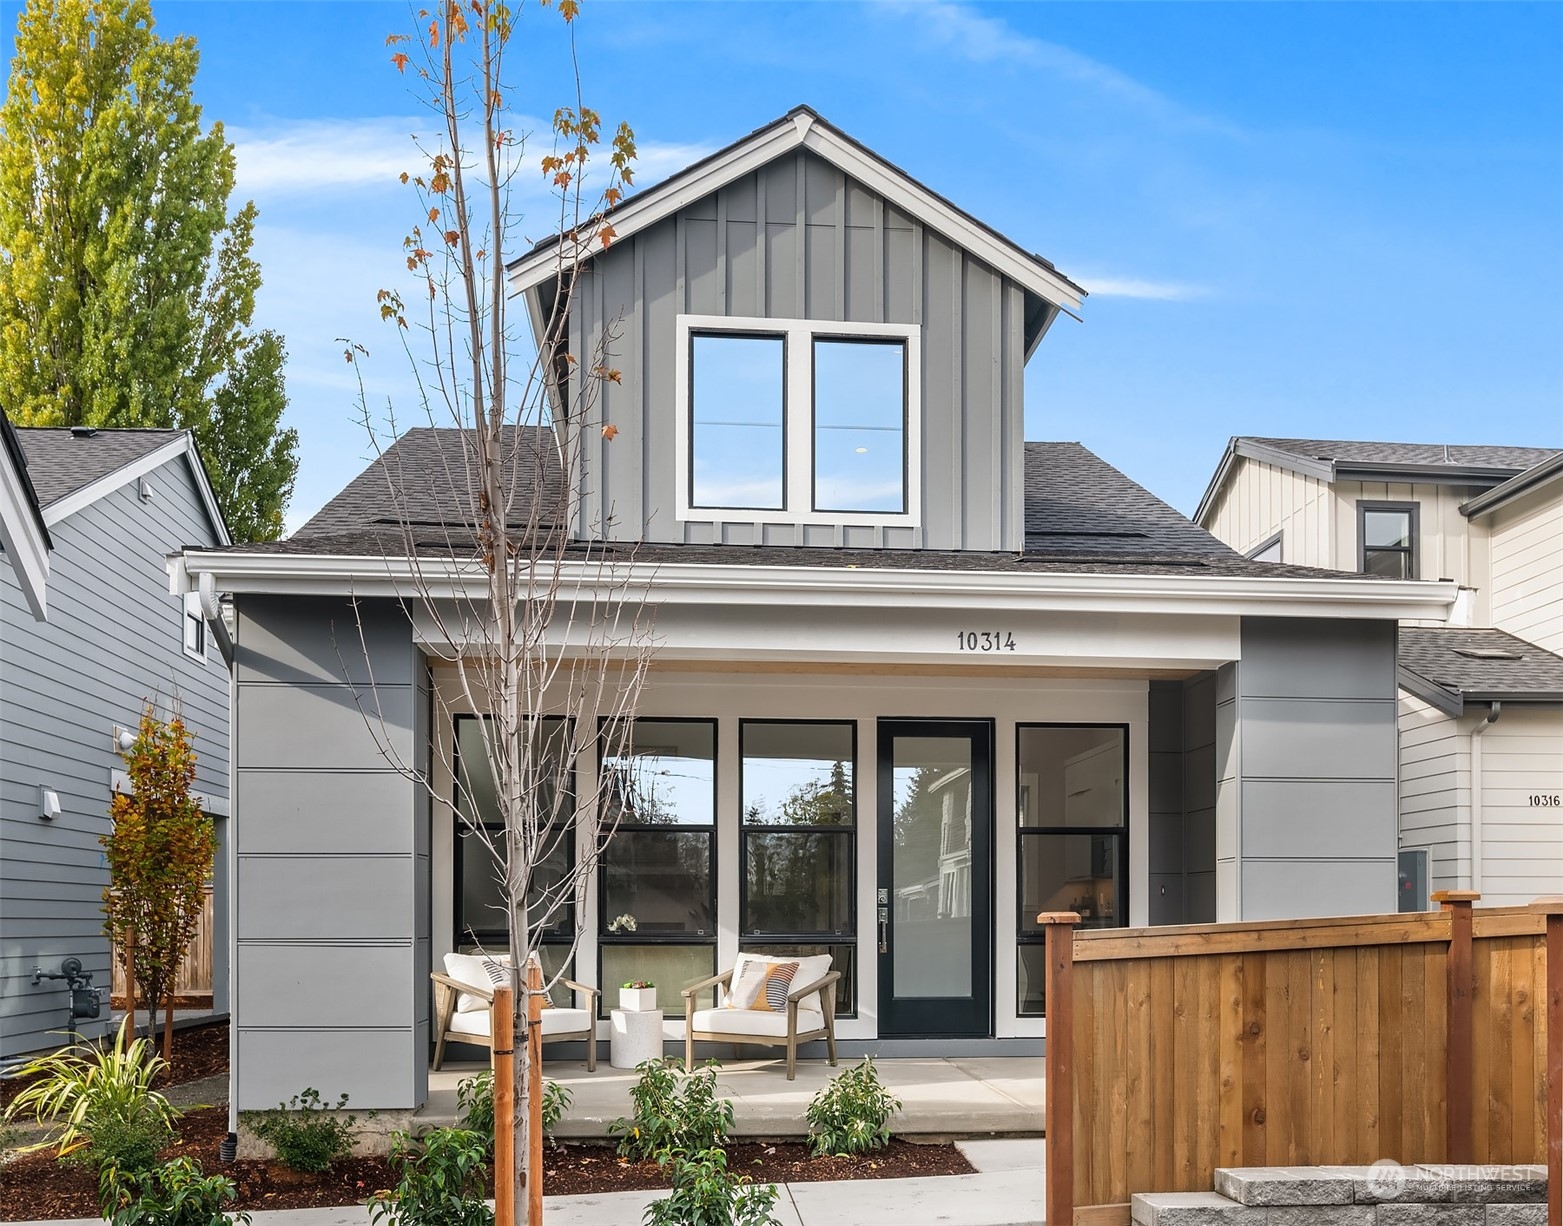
802	128
25	539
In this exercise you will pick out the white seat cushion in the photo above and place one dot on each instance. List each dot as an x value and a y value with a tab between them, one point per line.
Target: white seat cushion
555	1021
480	972
810	970
758	1022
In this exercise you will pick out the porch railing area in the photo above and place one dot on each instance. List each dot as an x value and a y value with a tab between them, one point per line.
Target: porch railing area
1417	1038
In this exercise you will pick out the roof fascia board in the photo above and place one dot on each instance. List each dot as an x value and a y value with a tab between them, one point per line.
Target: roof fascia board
26	540
692	583
183	445
1217	483
1450	702
1422	474
817	137
1319	470
1534	476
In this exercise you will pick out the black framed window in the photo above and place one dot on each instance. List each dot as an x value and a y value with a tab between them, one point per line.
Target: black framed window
1387	539
1072	810
657	882
481	915
798	857
737	437
860	411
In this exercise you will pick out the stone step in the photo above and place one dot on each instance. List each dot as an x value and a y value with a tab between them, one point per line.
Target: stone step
1192	1209
1385	1183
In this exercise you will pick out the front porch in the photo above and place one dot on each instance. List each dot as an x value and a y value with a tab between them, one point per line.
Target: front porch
941	1096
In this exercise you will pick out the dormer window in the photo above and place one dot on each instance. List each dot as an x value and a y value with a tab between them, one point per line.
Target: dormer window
797	421
1387	539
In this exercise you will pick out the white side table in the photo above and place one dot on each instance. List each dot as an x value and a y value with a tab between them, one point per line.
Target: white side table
636	1037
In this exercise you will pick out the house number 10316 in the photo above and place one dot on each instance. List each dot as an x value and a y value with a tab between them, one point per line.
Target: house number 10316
984	640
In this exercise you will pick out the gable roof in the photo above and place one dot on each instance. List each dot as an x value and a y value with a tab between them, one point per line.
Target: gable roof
1330	460
803	128
1449	666
23	532
73	467
1538	475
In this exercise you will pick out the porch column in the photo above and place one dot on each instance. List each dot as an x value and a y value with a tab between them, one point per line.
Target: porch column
330	981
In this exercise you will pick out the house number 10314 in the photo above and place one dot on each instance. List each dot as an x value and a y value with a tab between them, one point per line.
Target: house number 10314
984	640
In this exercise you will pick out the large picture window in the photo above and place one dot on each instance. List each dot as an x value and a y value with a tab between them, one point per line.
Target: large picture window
657	888
1072	808
482	919
798	421
799	823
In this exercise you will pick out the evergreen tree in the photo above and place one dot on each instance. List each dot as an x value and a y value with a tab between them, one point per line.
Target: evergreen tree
127	292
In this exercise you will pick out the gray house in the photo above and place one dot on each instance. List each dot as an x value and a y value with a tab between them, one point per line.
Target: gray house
85	640
1029	684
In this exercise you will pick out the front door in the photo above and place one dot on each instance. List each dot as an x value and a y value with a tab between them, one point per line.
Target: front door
935	900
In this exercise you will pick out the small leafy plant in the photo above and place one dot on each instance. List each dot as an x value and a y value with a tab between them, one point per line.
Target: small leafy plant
851	1114
674	1111
97	1102
637	983
475	1100
442	1180
174	1194
307	1133
706	1193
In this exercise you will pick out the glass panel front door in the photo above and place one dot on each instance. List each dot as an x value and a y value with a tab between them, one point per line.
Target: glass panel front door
935	900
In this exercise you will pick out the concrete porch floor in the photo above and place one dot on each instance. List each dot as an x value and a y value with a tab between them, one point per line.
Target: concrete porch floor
948	1097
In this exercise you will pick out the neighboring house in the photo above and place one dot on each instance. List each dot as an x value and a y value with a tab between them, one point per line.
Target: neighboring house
1036	685
1481	702
114	504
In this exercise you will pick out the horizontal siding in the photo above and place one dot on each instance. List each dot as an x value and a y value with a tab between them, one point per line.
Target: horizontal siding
1527	567
1435	791
113	639
1522	843
1261	499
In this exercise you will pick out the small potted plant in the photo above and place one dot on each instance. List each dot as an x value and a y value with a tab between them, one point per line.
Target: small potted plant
638	996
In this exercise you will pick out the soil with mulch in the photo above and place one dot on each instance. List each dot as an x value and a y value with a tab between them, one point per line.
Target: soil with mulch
199	1051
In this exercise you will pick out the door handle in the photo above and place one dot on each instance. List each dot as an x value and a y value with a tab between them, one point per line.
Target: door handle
884	930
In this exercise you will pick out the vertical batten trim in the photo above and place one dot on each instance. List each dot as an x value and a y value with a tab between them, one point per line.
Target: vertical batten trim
801	253
635	482
919	286
958	400
998	432
881	291
599	444
762	254
723	272
841	246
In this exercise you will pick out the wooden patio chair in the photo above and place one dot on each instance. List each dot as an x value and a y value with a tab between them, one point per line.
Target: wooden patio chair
462	1013
809	1012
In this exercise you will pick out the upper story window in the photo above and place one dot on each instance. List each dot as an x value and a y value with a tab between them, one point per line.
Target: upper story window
1387	539
798	421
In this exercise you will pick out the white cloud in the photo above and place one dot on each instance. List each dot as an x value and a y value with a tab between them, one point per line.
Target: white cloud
1140	287
981	39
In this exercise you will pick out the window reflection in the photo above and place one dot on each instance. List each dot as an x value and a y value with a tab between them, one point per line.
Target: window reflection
859	425
736	385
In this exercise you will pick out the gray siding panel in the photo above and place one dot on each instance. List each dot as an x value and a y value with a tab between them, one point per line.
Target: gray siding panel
114	639
798	239
366	1065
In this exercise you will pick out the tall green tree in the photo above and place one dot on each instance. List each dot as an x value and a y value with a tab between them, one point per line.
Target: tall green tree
127	290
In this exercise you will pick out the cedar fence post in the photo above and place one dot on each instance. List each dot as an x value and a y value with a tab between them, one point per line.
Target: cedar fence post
1459	1050
1058	1093
534	1094
502	1027
1552	908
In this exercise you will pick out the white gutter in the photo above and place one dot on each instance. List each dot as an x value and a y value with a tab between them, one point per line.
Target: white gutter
1476	792
831	586
212	611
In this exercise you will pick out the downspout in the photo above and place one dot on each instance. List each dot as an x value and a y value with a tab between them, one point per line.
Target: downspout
212	610
1493	712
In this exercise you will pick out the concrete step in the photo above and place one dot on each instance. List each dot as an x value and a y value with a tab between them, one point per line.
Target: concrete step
1192	1209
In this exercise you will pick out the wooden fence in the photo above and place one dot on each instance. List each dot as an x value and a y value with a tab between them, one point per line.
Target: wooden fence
193	988
1418	1038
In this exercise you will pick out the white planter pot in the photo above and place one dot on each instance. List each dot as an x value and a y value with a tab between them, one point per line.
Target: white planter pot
638	1000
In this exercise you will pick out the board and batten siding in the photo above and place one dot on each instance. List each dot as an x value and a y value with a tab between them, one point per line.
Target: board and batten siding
330	853
114	639
798	239
1262	499
1526	552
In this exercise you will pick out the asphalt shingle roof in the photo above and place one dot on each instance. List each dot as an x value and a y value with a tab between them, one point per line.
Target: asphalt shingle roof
1437	654
1455	455
61	462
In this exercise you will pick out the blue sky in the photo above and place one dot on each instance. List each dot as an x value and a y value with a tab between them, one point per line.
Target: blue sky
1322	220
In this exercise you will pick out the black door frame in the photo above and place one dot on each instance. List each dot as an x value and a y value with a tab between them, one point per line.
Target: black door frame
949	1017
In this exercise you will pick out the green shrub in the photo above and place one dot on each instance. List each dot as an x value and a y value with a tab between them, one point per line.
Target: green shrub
475	1100
851	1115
97	1101
706	1193
307	1133
174	1194
674	1111
442	1180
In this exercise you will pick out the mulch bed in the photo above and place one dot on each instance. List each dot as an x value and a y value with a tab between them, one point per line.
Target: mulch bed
199	1051
37	1186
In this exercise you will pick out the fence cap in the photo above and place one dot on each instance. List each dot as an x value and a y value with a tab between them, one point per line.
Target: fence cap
1059	917
1549	904
1456	895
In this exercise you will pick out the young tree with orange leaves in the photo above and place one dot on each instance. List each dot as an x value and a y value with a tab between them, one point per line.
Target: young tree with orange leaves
159	853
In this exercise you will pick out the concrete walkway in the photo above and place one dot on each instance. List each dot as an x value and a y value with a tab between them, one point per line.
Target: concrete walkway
1007	1191
990	1096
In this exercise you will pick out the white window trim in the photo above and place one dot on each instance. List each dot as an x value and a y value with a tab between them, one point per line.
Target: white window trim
191	608
798	419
